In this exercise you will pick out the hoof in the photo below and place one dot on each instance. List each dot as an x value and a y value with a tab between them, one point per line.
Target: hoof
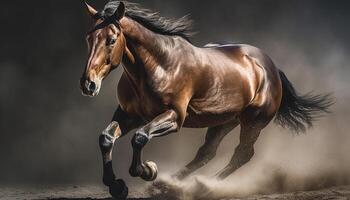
119	190
150	171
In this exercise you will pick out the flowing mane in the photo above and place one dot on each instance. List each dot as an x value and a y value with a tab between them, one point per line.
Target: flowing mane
152	20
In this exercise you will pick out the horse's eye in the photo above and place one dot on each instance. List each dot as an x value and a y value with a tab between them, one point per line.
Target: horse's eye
111	41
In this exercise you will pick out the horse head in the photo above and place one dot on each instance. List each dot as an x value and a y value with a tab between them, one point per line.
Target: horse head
106	44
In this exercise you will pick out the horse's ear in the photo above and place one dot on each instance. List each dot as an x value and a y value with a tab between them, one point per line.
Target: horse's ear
120	12
91	11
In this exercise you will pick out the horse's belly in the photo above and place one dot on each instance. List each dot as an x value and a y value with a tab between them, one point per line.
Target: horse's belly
224	101
204	120
213	112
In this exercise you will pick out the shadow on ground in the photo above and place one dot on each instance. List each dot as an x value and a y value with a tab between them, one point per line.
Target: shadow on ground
151	198
167	191
160	197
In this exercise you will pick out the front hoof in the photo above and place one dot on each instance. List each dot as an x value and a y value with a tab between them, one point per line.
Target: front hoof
150	171
118	189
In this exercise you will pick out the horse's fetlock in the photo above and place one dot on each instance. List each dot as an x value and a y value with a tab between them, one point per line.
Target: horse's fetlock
108	181
136	172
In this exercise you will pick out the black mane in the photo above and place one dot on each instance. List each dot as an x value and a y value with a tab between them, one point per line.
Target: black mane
151	20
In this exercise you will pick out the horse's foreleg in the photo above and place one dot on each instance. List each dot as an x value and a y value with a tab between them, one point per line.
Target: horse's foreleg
164	124
121	124
208	150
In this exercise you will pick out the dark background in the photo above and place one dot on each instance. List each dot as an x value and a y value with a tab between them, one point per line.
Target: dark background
49	131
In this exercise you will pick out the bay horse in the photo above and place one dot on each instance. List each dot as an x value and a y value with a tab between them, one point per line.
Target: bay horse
168	83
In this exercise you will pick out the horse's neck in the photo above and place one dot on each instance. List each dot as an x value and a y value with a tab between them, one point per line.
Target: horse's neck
149	49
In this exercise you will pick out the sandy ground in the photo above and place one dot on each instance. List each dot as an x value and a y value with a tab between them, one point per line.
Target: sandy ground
100	193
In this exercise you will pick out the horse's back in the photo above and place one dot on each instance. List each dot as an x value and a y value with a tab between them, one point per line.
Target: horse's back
245	50
239	51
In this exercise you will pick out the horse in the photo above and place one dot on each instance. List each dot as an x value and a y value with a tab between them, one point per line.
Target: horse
169	83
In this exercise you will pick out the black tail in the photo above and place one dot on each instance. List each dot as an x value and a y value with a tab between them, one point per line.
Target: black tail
297	112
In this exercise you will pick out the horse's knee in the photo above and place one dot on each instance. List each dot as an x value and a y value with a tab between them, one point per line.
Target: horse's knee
106	143
140	139
107	138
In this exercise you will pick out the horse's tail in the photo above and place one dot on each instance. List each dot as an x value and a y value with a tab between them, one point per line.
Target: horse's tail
297	112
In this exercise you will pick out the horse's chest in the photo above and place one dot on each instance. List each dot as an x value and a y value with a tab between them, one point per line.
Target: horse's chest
141	101
149	108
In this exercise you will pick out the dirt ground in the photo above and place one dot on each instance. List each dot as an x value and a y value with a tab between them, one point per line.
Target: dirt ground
100	193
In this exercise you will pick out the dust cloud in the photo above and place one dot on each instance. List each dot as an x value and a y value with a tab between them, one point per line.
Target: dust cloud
283	163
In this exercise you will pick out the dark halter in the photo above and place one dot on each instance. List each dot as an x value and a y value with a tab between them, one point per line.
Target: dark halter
105	22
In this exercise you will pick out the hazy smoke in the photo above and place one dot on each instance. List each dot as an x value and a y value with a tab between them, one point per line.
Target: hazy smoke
49	131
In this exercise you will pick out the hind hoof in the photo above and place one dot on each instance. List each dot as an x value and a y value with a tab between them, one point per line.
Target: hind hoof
119	190
150	171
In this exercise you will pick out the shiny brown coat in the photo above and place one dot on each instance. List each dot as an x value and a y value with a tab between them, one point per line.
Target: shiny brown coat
168	83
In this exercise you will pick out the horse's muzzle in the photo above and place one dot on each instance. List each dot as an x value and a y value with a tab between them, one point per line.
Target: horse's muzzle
89	88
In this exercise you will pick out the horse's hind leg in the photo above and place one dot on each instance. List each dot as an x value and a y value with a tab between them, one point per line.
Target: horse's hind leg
208	150
243	152
252	122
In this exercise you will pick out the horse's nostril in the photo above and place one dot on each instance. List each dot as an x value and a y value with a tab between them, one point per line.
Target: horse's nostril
92	86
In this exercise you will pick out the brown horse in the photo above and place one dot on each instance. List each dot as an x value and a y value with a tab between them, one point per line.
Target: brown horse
168	83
